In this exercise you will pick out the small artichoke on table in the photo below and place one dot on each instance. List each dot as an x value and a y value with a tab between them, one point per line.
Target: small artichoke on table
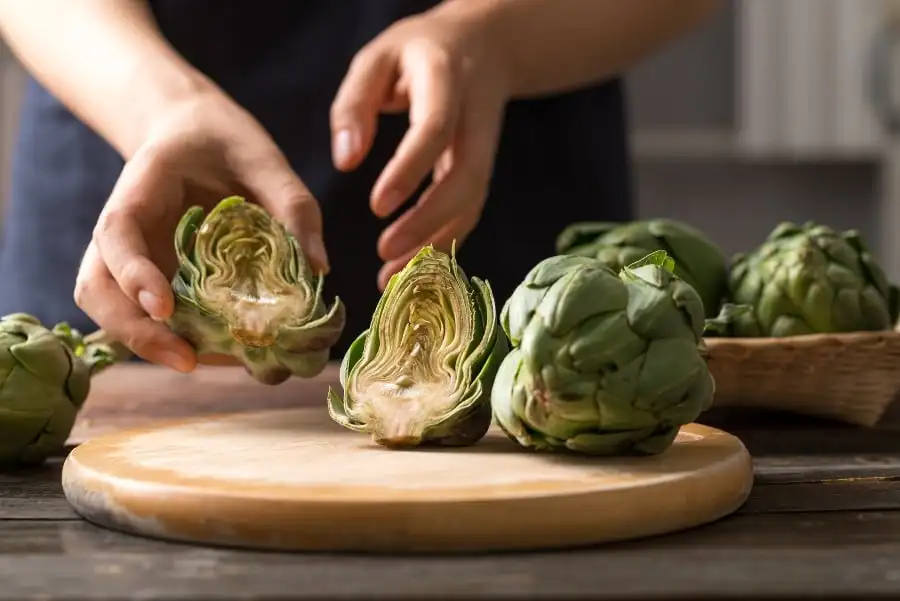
809	279
244	288
698	260
45	378
422	372
602	363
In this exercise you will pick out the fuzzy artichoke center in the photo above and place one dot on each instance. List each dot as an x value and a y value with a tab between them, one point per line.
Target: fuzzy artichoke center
411	380
251	278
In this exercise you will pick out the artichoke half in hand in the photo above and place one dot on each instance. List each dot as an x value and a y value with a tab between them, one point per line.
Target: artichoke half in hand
602	363
422	371
698	260
45	377
244	288
811	279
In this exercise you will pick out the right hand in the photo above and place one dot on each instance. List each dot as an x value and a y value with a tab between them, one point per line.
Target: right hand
199	152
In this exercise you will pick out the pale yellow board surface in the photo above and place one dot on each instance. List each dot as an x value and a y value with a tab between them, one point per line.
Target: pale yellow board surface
294	480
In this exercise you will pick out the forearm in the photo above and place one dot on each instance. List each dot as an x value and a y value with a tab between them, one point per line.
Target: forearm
104	59
556	45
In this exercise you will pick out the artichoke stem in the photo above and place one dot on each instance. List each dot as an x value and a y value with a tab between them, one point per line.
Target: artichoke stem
401	427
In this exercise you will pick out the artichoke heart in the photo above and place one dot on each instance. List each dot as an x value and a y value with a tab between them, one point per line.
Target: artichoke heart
602	363
422	371
45	378
698	260
244	288
811	279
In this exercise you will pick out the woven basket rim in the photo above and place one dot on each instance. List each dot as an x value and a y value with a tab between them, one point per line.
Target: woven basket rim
808	340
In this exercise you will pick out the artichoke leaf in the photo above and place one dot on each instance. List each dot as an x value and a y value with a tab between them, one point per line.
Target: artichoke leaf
244	288
730	318
423	370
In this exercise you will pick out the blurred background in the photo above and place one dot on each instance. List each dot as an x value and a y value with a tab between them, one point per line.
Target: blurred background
777	110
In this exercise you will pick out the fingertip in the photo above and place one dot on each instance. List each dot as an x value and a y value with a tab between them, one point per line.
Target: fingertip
383	278
384	203
345	148
163	347
175	354
387	271
316	253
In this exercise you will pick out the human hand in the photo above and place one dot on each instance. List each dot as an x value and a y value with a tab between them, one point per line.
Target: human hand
439	66
199	152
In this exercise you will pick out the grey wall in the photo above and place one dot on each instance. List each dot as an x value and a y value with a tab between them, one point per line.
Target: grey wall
686	94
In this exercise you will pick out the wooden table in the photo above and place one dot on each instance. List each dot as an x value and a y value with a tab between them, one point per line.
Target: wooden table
823	521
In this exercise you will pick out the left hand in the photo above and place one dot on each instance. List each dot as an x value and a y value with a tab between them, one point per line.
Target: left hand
439	66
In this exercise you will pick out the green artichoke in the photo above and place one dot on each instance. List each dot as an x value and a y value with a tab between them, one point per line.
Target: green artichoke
811	279
422	371
45	377
602	363
698	260
244	288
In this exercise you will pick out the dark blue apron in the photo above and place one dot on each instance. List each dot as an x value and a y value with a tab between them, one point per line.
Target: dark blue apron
561	159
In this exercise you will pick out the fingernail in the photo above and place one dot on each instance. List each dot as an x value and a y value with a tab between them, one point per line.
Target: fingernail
150	303
176	361
344	147
317	251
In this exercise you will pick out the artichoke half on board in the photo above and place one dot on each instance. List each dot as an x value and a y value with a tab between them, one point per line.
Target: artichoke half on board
698	260
422	371
45	377
602	363
811	279
244	288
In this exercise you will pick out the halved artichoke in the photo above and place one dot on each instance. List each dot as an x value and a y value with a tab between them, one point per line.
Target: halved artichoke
422	372
602	363
45	378
244	288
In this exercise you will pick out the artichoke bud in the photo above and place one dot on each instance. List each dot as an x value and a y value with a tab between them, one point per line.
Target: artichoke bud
422	372
45	377
810	279
698	260
602	363
244	288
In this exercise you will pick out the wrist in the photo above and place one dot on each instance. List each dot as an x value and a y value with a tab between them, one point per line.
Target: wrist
483	32
158	87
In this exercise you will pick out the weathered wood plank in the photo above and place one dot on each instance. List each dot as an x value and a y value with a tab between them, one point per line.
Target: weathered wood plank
56	508
774	556
775	469
849	495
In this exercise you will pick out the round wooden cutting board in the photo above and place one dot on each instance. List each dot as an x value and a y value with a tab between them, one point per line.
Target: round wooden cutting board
294	480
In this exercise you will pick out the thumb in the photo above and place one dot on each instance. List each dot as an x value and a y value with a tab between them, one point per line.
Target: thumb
280	190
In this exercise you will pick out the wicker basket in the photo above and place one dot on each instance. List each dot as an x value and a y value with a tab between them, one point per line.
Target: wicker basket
848	377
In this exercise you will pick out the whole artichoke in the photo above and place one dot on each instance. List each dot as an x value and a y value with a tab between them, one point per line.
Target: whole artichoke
811	279
602	363
422	371
244	288
45	377
698	260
